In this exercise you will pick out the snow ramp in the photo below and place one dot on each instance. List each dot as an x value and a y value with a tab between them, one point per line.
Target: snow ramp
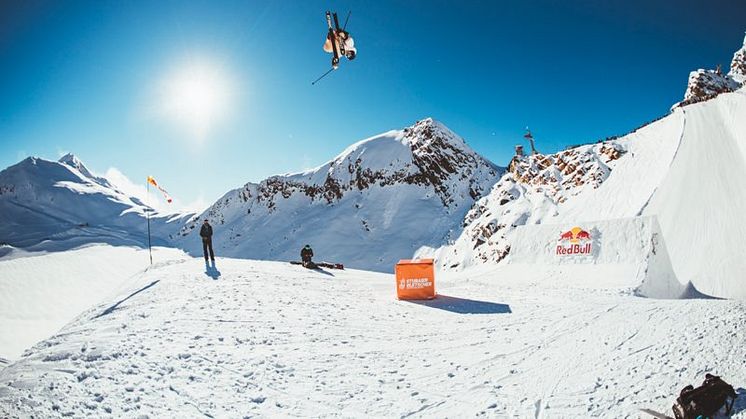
701	203
626	253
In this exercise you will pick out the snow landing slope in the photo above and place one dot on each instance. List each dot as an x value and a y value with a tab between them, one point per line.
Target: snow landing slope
687	171
40	293
375	203
268	339
49	205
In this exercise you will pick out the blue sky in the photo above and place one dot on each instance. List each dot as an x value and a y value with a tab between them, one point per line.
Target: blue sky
83	77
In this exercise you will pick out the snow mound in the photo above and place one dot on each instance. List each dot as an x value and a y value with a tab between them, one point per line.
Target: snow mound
632	245
375	203
701	203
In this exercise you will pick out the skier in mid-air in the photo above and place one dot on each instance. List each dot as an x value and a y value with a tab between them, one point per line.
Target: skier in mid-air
206	233
341	40
338	42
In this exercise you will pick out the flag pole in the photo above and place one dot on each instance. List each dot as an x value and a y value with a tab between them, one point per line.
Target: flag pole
147	211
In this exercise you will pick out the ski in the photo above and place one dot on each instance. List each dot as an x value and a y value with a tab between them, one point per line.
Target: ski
320	265
337	31
333	38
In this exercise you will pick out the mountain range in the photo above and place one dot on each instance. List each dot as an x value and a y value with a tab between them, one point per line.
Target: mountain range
423	191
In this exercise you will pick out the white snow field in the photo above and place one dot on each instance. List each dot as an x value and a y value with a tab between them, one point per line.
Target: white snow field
270	339
41	292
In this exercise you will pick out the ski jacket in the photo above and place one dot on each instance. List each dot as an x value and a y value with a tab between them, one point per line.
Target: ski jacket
206	231
342	40
306	253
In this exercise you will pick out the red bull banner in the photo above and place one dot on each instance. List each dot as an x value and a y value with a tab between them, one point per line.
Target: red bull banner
575	241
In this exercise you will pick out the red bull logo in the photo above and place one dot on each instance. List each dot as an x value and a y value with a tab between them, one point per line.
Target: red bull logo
575	241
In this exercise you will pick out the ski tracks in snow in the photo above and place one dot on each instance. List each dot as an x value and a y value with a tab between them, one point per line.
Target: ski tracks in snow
269	339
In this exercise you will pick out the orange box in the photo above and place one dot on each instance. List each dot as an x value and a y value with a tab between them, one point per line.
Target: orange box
415	279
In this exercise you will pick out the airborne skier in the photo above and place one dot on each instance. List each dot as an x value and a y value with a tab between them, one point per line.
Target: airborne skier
338	42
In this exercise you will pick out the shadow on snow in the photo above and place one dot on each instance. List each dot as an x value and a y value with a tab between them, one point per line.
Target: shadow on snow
115	306
463	305
212	271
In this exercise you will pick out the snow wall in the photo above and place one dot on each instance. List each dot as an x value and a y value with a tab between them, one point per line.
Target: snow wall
701	203
633	248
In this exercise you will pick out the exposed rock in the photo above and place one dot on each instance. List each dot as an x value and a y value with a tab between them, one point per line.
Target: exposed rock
706	84
738	65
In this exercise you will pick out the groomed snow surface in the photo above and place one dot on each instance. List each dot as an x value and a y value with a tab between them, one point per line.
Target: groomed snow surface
252	338
40	292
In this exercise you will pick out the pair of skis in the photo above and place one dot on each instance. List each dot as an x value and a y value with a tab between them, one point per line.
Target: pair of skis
337	49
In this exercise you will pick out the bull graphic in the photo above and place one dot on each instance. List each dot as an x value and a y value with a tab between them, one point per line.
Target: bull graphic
583	235
574	235
566	236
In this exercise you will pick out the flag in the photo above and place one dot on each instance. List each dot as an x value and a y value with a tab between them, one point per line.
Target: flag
151	180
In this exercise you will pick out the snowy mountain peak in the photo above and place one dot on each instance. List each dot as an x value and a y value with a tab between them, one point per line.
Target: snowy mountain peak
403	189
61	204
706	84
70	159
738	65
431	133
73	161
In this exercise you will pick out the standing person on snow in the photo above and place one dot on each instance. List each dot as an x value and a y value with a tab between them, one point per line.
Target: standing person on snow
306	254
206	233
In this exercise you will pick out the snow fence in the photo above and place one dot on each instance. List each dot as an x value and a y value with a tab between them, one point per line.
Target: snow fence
625	251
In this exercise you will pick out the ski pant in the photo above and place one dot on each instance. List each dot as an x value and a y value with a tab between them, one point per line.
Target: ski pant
207	244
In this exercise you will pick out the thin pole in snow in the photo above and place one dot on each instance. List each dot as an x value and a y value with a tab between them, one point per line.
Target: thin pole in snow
147	212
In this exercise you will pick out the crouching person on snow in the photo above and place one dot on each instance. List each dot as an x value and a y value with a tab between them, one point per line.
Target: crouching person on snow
206	233
305	255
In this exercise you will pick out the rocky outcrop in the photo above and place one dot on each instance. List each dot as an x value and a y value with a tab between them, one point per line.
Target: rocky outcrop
707	84
531	190
738	64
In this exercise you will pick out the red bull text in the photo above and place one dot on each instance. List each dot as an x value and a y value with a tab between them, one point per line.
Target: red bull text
575	241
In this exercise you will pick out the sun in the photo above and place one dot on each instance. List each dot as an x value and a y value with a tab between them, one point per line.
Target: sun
196	97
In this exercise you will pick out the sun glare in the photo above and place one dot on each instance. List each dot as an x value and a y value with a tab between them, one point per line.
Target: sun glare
196	97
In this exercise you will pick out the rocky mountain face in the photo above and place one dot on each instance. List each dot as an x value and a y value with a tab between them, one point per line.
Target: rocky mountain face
707	84
376	202
738	64
531	190
57	205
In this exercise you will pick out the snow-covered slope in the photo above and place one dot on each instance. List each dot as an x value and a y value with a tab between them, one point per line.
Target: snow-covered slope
268	339
49	205
688	170
41	293
375	203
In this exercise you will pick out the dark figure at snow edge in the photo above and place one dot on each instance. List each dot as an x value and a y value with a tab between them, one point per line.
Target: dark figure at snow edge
206	233
306	254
